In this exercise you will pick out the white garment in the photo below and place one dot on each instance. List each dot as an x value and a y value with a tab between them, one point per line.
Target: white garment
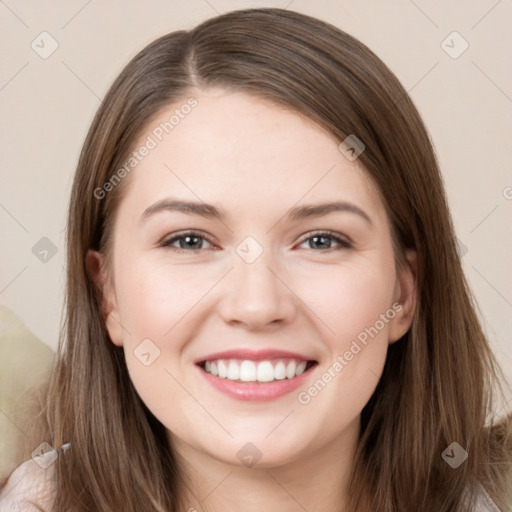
29	484
485	503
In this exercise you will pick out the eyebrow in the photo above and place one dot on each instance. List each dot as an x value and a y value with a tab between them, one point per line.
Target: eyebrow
209	211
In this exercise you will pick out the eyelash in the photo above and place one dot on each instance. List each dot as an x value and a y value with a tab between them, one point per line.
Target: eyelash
343	243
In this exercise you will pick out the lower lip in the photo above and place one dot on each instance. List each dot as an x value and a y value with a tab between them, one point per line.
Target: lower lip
262	391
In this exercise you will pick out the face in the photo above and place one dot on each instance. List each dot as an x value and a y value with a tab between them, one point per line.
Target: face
249	311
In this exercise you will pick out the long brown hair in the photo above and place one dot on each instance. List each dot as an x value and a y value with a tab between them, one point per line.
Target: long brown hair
439	380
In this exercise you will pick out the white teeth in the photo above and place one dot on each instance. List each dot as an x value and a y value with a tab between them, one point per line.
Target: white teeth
247	371
233	371
290	369
250	371
280	371
265	372
300	368
223	369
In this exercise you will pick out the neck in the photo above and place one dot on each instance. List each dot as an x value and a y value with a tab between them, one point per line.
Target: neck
312	480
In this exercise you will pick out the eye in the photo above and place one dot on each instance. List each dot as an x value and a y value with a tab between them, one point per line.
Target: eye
192	241
189	241
323	240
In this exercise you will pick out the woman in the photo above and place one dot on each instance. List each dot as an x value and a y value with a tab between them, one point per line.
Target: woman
265	304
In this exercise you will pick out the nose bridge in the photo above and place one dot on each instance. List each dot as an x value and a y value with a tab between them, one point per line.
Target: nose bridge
255	295
256	275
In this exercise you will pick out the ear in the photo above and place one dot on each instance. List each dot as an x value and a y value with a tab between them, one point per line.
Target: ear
405	297
95	264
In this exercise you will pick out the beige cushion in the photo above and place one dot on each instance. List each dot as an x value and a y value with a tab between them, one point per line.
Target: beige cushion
25	363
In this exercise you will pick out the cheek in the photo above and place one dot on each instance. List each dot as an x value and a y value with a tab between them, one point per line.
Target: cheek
159	301
157	304
155	297
355	303
358	308
348	299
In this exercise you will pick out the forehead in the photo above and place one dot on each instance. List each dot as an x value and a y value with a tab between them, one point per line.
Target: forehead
245	153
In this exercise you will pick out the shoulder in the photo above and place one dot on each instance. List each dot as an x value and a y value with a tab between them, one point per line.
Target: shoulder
30	488
485	503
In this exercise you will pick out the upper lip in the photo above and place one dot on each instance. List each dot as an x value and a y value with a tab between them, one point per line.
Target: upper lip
253	355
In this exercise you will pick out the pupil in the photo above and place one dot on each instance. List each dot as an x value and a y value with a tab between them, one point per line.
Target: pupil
325	239
191	241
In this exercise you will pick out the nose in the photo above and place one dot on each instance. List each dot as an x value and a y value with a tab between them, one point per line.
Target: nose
257	296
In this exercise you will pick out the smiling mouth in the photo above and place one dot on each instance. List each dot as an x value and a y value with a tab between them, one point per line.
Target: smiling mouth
246	370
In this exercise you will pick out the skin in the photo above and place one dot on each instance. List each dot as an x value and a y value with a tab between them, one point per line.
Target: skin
255	161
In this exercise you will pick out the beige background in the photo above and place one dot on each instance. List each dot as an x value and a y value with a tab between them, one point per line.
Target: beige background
48	104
